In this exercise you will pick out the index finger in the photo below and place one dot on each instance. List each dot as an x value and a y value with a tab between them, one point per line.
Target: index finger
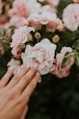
30	88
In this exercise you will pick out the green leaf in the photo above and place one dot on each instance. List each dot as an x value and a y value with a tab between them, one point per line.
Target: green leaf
2	32
66	61
77	58
76	45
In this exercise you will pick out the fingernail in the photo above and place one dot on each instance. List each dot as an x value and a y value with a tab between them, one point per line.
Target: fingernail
38	74
39	81
11	68
25	67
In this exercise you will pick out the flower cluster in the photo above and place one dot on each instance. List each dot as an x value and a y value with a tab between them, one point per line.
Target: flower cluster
38	38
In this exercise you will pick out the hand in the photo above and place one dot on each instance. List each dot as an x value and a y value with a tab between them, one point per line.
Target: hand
14	96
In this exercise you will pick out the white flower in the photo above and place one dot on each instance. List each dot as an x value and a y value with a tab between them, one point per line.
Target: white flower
60	56
15	64
60	71
71	16
47	8
17	21
20	36
40	56
33	6
48	19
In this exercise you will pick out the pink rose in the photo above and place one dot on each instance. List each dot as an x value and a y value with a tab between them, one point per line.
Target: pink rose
71	17
15	64
19	8
60	56
48	19
40	56
34	20
19	37
17	21
33	6
65	71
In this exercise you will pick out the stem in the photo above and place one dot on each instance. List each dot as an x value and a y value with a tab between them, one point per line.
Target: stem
71	54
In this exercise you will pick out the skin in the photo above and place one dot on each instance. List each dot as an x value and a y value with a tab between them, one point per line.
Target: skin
14	96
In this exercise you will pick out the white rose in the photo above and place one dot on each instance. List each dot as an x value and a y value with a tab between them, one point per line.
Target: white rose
40	56
71	17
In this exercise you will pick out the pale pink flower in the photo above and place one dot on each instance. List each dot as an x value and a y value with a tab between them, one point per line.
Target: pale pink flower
47	8
48	19
15	64
34	20
19	8
16	51
40	56
71	16
20	36
60	56
33	6
65	71
17	21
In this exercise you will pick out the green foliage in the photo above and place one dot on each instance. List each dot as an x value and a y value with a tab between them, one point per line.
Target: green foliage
76	45
66	61
77	58
5	39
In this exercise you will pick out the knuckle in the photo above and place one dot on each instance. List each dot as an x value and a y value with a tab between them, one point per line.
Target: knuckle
11	95
21	99
31	73
33	69
16	77
28	77
24	69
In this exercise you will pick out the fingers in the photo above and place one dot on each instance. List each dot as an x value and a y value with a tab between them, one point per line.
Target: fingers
6	78
30	88
24	112
17	77
25	80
